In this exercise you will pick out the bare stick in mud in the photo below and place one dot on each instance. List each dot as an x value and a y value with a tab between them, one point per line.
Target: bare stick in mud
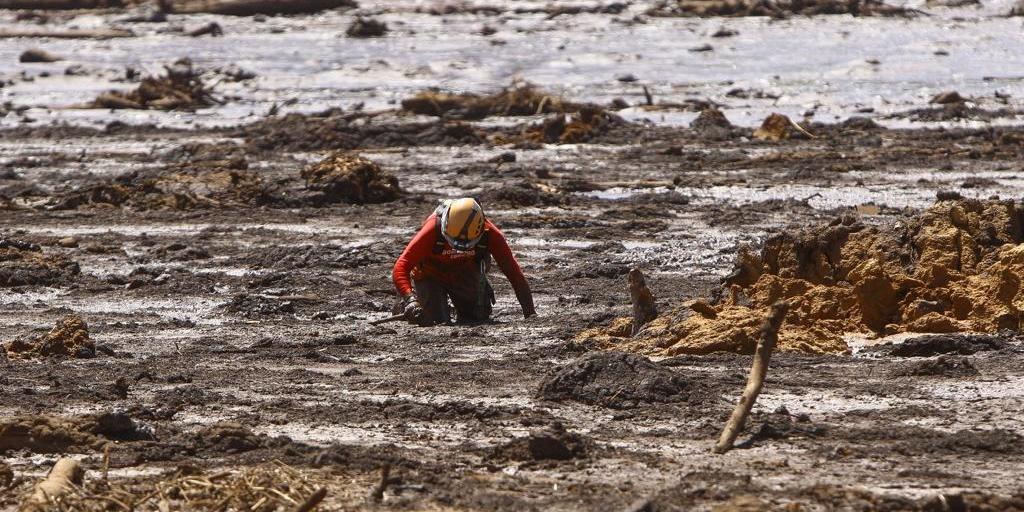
644	309
377	493
62	479
392	318
758	371
312	501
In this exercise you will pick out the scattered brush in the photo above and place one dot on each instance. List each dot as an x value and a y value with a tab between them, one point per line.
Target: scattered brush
519	99
181	88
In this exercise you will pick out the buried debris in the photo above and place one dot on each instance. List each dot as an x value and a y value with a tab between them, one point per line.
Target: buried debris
23	263
180	89
951	268
366	27
63	479
644	308
80	434
940	344
69	338
778	127
575	128
344	177
517	100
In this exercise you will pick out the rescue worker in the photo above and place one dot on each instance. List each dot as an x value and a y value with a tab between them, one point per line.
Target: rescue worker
448	259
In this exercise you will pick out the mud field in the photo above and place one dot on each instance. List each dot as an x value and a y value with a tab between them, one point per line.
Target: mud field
199	214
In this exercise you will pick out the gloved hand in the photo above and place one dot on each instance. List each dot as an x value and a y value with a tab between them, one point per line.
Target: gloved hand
411	308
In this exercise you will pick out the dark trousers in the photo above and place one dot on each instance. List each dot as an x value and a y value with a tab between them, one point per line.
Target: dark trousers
472	303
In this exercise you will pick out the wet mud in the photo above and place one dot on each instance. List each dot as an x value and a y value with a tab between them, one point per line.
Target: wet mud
223	274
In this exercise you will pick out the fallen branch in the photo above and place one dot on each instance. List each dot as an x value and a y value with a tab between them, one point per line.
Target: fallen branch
758	371
377	493
62	479
312	501
253	7
109	33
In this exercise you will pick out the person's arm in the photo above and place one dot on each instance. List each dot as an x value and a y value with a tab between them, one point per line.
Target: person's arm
419	247
510	267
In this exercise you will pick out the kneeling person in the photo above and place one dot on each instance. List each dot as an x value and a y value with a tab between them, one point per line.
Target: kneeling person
449	258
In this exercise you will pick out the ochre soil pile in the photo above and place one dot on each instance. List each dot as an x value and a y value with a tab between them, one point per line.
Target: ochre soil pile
180	89
782	9
69	338
517	100
345	177
955	267
183	187
23	263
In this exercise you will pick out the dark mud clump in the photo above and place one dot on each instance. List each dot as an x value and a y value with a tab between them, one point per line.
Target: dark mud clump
614	379
712	124
782	9
780	425
181	88
69	338
51	434
523	194
349	178
552	443
228	437
517	100
942	366
320	256
257	306
23	264
189	186
333	130
936	344
367	27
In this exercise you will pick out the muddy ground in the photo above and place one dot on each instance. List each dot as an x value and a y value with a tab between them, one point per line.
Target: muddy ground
227	302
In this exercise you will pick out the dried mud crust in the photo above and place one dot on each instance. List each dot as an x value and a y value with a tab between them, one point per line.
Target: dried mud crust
23	263
951	268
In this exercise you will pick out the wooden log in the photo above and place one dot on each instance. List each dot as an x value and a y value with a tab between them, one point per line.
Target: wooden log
253	7
65	475
59	5
758	371
109	33
644	309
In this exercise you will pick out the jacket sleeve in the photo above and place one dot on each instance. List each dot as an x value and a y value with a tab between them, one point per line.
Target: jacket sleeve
510	267
419	247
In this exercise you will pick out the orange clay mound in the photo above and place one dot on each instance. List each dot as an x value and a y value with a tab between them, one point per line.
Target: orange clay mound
955	267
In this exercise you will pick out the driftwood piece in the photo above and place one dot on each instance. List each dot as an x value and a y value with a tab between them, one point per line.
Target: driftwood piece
312	501
59	5
644	309
758	371
101	33
253	7
62	479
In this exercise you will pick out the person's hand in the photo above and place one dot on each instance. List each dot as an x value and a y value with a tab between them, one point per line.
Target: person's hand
411	308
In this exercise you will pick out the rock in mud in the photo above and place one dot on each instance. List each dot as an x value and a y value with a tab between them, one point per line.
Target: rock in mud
346	177
778	127
616	380
952	268
37	55
516	100
69	338
23	264
181	88
367	27
945	98
546	444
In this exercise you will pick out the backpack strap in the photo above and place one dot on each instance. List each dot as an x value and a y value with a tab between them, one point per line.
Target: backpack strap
483	247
